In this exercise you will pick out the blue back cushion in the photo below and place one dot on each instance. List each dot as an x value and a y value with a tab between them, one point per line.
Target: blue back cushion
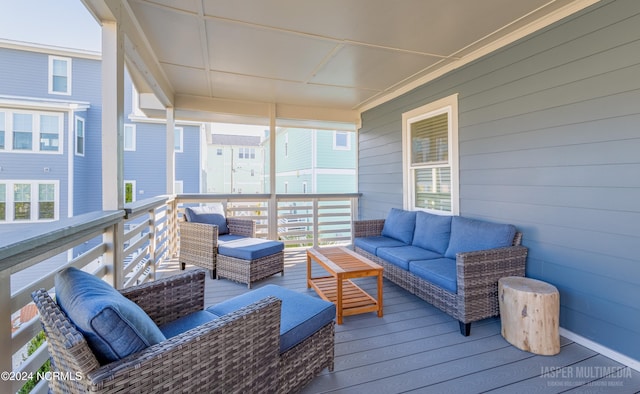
113	325
469	235
400	225
432	232
200	215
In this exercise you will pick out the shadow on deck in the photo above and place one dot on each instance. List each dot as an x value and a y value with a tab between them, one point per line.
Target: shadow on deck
417	348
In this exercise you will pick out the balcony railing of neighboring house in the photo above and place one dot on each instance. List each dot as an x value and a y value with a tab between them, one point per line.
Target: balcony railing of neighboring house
126	247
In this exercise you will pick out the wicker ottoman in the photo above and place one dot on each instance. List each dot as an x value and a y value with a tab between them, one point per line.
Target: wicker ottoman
248	260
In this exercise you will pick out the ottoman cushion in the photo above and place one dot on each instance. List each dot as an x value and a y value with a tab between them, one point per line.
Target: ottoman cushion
250	248
301	316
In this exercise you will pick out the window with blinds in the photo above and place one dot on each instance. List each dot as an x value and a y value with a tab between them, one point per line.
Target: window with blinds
430	158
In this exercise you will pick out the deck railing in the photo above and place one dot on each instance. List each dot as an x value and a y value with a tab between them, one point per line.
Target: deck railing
126	247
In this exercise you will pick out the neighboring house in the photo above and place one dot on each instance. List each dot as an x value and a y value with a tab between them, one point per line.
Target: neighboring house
315	161
235	164
51	136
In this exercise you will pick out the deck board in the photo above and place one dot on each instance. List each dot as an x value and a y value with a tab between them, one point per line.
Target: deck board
417	348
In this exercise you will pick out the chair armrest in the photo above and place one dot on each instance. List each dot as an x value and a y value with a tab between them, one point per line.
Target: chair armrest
487	266
367	228
168	299
235	353
246	227
198	242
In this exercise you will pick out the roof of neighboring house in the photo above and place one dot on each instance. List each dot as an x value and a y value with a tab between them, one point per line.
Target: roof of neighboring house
241	140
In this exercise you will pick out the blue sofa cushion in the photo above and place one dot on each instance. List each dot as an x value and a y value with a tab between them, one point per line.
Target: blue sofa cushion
400	225
432	232
440	272
207	215
250	248
229	237
301	315
113	325
401	256
371	244
469	235
186	323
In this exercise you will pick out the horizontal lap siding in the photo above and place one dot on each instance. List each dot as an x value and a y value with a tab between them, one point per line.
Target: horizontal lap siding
549	140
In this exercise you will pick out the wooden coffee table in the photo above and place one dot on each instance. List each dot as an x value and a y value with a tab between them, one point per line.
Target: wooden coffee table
343	264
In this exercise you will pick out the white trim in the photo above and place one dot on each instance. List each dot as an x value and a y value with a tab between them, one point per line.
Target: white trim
178	187
71	162
50	49
134	190
77	118
180	148
68	61
35	132
38	103
335	136
449	105
319	171
605	351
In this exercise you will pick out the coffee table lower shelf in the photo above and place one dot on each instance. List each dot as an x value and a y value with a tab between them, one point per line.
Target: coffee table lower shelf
354	299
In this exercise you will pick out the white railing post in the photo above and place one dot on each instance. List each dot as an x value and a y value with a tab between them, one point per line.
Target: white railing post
6	364
114	256
354	215
153	240
316	236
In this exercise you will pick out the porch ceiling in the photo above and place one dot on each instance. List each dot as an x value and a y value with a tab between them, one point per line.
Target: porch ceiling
338	57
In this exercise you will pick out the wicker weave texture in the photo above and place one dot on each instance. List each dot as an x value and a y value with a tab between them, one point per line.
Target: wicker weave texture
236	353
249	271
477	276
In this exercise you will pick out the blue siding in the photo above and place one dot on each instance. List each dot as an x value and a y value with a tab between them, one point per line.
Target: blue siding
549	141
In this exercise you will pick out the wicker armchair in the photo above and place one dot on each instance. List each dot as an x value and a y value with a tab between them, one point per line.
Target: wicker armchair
235	353
199	242
477	277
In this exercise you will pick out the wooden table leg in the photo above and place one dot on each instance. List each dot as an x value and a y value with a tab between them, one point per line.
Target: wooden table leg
308	271
339	298
380	294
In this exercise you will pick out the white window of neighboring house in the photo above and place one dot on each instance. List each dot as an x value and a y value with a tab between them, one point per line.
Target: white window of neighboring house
79	136
59	75
3	127
286	145
28	201
31	131
341	140
304	187
219	151
130	137
178	139
129	191
430	156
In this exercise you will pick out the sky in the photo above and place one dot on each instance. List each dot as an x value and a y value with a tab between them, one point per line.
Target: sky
63	23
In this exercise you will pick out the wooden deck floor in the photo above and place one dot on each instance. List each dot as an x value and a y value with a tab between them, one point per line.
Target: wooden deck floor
416	348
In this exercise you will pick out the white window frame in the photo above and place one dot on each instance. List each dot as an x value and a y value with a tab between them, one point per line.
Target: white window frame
80	120
132	128
69	68
179	135
335	140
134	191
3	128
445	105
34	200
35	131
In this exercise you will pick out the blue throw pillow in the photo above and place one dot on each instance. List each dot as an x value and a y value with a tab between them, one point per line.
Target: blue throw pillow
469	235
432	232
113	325
199	215
400	225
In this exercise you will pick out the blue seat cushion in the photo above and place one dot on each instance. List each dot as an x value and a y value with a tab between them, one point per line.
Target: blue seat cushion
432	232
400	225
440	272
113	325
371	244
250	248
186	323
301	315
469	235
402	255
206	216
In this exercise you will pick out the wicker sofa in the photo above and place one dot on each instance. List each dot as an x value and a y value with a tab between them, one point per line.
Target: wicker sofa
453	263
239	350
227	247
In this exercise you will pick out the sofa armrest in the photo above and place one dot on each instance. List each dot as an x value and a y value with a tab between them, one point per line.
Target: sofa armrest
234	353
478	273
246	227
168	299
367	228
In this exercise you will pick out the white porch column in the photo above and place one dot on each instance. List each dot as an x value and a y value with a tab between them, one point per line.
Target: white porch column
171	155
112	143
273	202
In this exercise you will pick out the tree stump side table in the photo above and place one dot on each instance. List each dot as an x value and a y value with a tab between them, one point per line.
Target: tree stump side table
529	312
